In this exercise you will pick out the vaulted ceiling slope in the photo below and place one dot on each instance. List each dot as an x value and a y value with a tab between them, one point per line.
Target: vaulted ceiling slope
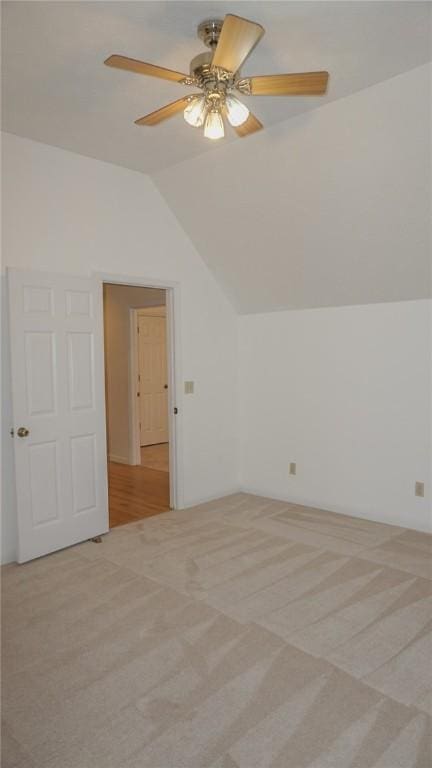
56	90
329	208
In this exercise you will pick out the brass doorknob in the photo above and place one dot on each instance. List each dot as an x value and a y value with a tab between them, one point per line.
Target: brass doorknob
23	432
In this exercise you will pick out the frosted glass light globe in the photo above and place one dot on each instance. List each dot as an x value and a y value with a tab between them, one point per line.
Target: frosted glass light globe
237	113
194	113
214	127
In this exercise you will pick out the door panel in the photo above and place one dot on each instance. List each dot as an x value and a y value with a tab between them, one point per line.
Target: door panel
81	370
83	473
38	299
40	379
58	395
79	303
153	370
43	460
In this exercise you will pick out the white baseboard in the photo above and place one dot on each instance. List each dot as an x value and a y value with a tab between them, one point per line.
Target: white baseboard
203	500
374	517
118	459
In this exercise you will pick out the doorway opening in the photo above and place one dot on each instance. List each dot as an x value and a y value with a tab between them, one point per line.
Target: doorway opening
138	380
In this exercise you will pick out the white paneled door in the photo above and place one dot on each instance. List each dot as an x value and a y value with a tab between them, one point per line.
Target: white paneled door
58	409
153	390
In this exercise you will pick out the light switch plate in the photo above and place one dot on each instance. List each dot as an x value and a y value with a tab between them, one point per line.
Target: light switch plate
189	387
419	489
293	468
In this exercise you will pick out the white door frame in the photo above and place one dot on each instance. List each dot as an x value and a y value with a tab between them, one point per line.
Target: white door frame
134	431
174	377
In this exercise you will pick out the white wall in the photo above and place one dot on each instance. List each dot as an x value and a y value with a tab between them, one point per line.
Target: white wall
66	213
118	301
346	393
8	500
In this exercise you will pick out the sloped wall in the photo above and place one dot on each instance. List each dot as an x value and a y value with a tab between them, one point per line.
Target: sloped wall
329	208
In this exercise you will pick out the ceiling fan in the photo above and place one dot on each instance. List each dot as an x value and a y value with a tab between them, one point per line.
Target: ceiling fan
217	74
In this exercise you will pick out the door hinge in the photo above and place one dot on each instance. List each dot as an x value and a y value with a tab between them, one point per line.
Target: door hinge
175	411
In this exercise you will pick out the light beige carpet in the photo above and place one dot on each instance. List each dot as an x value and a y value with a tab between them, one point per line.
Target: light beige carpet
244	633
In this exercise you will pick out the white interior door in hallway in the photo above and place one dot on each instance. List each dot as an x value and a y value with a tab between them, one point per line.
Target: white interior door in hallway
58	410
153	376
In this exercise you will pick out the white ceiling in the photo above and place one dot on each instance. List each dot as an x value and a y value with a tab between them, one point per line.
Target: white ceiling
326	207
56	89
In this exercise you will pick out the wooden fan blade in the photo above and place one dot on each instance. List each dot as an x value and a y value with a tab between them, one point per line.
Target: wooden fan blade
237	39
300	84
169	110
142	68
251	125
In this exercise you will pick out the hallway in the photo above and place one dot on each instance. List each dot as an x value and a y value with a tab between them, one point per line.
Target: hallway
136	492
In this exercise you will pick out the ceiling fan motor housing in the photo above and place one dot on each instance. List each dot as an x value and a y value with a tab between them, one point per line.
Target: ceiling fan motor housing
208	77
200	65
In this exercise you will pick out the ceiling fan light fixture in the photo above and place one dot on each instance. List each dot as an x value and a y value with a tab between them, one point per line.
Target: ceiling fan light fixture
195	111
237	113
214	127
216	72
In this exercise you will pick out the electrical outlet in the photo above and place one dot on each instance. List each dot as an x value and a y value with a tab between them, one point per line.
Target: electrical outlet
293	468
419	489
189	387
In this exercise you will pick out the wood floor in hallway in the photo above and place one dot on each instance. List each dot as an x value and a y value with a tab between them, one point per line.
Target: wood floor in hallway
136	492
155	456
